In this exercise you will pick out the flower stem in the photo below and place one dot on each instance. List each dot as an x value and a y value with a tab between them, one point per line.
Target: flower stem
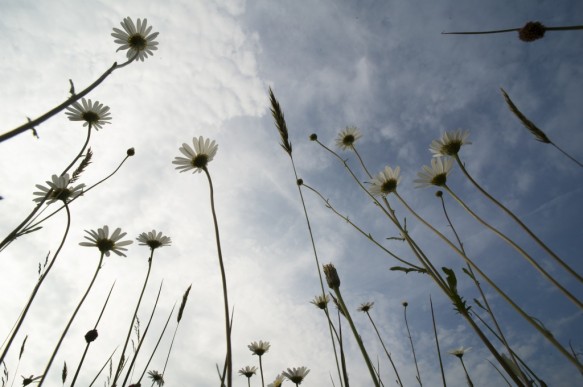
470	384
123	351
357	337
437	342
517	248
229	362
48	366
385	348
36	288
412	346
517	220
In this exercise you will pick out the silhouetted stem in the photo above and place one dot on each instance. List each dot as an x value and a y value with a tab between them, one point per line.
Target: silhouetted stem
412	346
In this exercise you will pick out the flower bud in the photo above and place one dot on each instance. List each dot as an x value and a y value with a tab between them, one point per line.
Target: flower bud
91	336
131	152
332	276
531	31
313	137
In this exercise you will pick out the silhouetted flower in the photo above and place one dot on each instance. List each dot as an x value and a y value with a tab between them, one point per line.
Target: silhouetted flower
459	352
137	40
156	377
94	113
197	158
450	143
105	243
296	375
259	348
59	190
153	239
321	301
348	137
248	371
436	174
386	182
365	307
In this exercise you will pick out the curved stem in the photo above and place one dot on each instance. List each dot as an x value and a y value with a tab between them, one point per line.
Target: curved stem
121	358
517	220
224	281
517	248
37	287
47	368
74	98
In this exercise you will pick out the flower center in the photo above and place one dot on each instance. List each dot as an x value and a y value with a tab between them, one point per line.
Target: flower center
137	42
154	244
389	186
439	180
348	140
200	161
62	194
91	117
451	148
105	245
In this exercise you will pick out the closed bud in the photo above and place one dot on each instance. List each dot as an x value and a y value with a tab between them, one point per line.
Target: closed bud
332	276
91	336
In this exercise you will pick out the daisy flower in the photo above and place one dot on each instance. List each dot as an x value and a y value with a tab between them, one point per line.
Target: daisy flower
153	239
197	158
450	143
58	189
296	375
436	174
136	39
248	371
259	348
321	301
93	113
157	378
459	352
348	137
277	382
386	182
365	307
106	243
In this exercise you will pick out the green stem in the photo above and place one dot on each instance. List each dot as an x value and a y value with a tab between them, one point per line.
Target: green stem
517	220
357	337
229	361
47	368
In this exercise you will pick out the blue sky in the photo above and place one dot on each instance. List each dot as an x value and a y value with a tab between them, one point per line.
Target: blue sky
382	66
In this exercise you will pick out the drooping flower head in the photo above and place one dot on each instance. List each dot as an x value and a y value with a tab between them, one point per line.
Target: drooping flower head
321	301
106	243
348	137
95	113
259	348
296	375
59	190
196	159
450	143
279	379
157	378
436	174
386	182
136	39
365	307
153	239
248	371
459	352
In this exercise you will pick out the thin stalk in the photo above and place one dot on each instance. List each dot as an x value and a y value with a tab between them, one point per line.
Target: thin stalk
48	366
74	98
103	367
385	348
224	282
517	220
16	232
470	384
36	288
412	346
261	371
356	336
563	28
437	342
568	155
516	247
123	351
545	333
477	283
89	342
501	374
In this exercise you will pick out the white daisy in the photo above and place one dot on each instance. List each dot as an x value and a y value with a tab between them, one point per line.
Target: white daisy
296	375
450	143
386	182
153	239
93	113
365	307
204	151
279	379
106	243
248	371
436	174
459	352
348	137
321	301
137	40
59	190
259	348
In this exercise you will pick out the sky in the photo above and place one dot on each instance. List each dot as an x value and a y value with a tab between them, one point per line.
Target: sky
382	66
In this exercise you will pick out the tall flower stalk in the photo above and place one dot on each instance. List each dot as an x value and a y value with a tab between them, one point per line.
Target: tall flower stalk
197	159
418	377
